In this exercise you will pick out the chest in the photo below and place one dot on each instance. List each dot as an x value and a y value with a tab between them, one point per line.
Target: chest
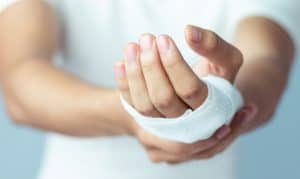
95	31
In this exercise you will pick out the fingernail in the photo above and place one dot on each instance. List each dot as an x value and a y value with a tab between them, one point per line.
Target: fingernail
131	53
223	132
195	34
163	43
146	42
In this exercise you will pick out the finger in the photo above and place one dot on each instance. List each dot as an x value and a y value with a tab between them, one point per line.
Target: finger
235	127
177	148
157	156
122	80
220	147
213	141
160	90
245	118
136	82
216	149
217	51
151	141
223	131
185	82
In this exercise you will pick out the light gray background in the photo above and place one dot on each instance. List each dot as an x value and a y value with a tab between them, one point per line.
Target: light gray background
270	152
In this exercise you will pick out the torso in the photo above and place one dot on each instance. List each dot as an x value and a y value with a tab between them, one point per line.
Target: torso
95	32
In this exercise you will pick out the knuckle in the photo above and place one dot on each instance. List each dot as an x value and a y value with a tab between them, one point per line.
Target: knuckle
147	110
237	58
191	92
162	104
163	100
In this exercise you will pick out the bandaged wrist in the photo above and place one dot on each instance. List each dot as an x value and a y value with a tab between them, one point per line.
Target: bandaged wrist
222	102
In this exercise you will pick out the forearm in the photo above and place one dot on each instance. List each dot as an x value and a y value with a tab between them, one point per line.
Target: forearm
268	58
41	95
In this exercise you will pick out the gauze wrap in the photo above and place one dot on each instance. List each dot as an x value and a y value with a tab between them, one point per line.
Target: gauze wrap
222	102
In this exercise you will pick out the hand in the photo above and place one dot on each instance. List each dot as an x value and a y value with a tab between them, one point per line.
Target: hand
160	150
155	79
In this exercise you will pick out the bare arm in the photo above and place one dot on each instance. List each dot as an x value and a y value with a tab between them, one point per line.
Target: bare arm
268	56
41	95
267	53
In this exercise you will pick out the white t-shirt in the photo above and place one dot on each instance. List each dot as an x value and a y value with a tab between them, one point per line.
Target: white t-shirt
94	33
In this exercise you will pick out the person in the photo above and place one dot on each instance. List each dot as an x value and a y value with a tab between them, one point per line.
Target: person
57	74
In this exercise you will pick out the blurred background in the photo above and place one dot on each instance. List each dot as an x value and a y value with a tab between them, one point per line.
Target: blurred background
269	152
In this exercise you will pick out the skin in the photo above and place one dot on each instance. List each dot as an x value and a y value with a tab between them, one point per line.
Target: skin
34	88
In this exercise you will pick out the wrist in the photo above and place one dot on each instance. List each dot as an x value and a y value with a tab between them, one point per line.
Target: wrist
124	121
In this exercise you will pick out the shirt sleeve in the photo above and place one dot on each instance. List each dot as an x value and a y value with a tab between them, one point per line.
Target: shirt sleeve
283	12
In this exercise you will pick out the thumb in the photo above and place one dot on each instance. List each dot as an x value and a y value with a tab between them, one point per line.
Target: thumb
226	58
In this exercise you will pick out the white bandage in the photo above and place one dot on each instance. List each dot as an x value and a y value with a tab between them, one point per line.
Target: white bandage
222	102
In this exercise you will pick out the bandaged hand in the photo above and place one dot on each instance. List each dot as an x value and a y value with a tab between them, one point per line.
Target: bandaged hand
156	82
